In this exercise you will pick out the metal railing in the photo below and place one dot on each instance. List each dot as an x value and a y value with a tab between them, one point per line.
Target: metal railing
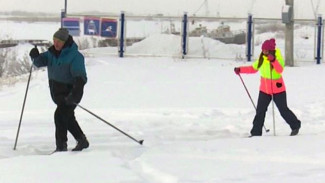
198	30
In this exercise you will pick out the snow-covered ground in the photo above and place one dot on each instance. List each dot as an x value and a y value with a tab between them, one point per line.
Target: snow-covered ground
193	115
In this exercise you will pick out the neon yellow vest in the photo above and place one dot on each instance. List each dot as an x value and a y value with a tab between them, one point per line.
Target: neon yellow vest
265	69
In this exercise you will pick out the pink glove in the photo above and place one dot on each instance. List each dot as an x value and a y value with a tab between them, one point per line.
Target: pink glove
271	58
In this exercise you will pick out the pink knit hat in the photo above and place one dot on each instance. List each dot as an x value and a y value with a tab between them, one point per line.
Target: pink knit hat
269	44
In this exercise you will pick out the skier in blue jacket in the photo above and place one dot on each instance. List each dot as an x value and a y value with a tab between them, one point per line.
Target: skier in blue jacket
67	77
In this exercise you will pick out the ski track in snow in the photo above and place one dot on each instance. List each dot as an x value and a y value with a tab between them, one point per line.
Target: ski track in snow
193	115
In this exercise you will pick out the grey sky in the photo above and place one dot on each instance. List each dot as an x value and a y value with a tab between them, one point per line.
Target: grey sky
225	8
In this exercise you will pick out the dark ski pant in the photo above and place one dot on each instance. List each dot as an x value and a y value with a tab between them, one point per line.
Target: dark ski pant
280	100
65	121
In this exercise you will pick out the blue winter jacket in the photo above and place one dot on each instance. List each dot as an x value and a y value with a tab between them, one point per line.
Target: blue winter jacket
66	71
63	68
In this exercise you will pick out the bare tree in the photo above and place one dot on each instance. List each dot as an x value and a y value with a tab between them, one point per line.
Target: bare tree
19	67
3	56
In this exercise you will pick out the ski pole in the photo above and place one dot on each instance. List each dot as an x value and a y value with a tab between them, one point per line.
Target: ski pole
242	81
23	107
273	115
138	141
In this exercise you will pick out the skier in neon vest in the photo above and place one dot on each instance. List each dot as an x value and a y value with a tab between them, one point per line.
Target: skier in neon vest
270	64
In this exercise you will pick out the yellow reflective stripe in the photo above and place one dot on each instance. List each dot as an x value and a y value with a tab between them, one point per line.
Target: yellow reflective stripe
279	57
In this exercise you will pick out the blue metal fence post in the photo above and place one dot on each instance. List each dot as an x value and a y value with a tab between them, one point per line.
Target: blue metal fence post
64	12
319	39
249	38
121	37
63	15
184	36
66	6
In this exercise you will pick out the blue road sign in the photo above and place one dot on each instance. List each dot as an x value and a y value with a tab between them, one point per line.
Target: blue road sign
73	26
108	27
91	26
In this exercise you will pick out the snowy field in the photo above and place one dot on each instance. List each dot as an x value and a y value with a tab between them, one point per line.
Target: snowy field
193	115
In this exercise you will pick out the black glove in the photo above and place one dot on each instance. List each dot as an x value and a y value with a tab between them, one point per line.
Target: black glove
237	70
69	100
34	53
